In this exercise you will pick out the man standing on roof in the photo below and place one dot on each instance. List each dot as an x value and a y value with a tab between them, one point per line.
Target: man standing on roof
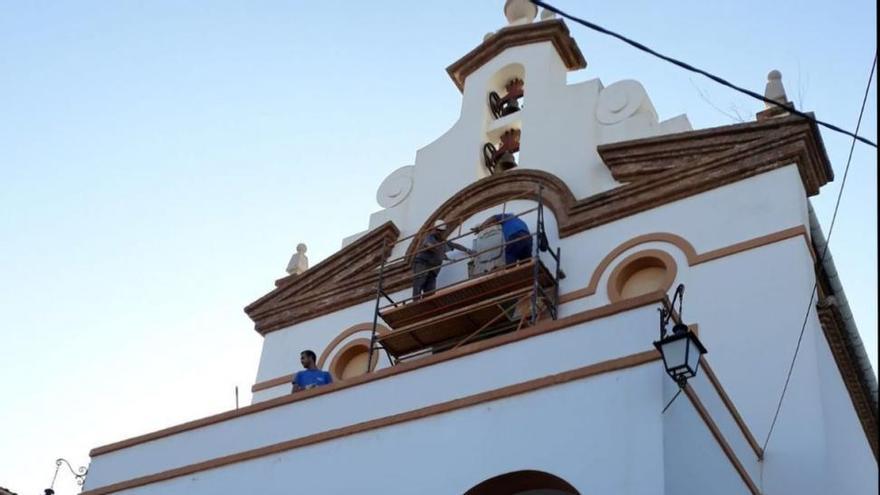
431	254
517	238
311	376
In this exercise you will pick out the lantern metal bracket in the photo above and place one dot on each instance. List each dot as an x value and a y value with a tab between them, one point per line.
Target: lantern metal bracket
668	312
682	350
79	474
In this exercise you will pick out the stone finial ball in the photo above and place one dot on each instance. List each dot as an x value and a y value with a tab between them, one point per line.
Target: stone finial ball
515	10
774	75
301	248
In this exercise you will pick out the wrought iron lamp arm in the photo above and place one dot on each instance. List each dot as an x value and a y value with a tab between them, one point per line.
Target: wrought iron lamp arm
79	474
666	313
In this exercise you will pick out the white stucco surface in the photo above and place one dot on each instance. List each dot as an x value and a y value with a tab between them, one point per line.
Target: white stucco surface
692	460
599	340
561	126
577	440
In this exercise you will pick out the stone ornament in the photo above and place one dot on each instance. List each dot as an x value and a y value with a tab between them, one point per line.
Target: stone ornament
396	187
622	100
299	262
520	11
546	15
775	90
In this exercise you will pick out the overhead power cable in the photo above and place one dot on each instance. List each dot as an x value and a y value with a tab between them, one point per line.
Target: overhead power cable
711	76
822	257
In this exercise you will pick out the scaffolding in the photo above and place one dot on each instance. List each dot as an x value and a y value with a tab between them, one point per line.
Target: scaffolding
502	300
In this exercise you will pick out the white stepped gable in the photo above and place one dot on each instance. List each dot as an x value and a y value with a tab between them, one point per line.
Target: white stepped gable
561	126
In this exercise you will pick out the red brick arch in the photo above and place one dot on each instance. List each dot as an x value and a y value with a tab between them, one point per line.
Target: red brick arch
522	184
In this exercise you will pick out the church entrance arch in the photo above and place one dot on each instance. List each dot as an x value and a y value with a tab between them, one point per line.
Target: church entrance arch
525	482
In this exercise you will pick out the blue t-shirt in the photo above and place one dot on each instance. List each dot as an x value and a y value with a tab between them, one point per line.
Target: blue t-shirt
511	225
318	378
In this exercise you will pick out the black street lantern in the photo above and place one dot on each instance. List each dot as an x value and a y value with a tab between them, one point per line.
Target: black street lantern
682	349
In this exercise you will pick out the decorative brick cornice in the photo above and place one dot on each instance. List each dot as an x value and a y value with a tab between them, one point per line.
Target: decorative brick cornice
343	279
554	31
656	171
771	143
859	391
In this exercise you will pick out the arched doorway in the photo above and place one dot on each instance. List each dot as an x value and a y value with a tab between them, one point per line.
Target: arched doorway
524	483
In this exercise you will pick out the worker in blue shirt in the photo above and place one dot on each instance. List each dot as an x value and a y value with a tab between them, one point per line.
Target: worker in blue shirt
517	238
311	376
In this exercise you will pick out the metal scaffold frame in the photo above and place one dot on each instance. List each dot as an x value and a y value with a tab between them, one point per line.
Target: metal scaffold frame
536	294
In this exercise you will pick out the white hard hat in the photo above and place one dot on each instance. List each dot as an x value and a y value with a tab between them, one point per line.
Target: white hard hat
439	224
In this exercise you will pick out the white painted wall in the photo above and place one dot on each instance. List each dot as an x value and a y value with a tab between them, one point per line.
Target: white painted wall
576	435
735	213
849	463
599	340
561	126
694	464
749	318
723	418
602	434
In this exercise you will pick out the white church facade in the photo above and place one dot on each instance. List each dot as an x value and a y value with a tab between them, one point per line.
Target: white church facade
540	377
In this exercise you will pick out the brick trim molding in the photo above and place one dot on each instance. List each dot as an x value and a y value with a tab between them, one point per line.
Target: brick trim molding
348	332
555	31
693	258
784	140
722	441
611	365
341	358
659	170
740	422
343	279
866	409
608	366
636	261
541	328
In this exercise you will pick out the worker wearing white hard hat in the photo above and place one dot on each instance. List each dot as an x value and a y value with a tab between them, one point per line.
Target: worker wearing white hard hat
430	256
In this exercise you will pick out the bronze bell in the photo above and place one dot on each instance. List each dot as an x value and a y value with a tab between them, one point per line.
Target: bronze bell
510	107
506	161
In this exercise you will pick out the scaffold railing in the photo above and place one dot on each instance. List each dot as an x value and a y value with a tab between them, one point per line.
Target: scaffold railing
479	306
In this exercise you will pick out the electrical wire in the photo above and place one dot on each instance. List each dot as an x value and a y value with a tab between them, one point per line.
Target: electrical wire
709	75
854	135
672	400
822	257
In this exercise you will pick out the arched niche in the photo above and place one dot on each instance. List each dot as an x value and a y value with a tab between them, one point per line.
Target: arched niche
348	341
351	360
640	273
